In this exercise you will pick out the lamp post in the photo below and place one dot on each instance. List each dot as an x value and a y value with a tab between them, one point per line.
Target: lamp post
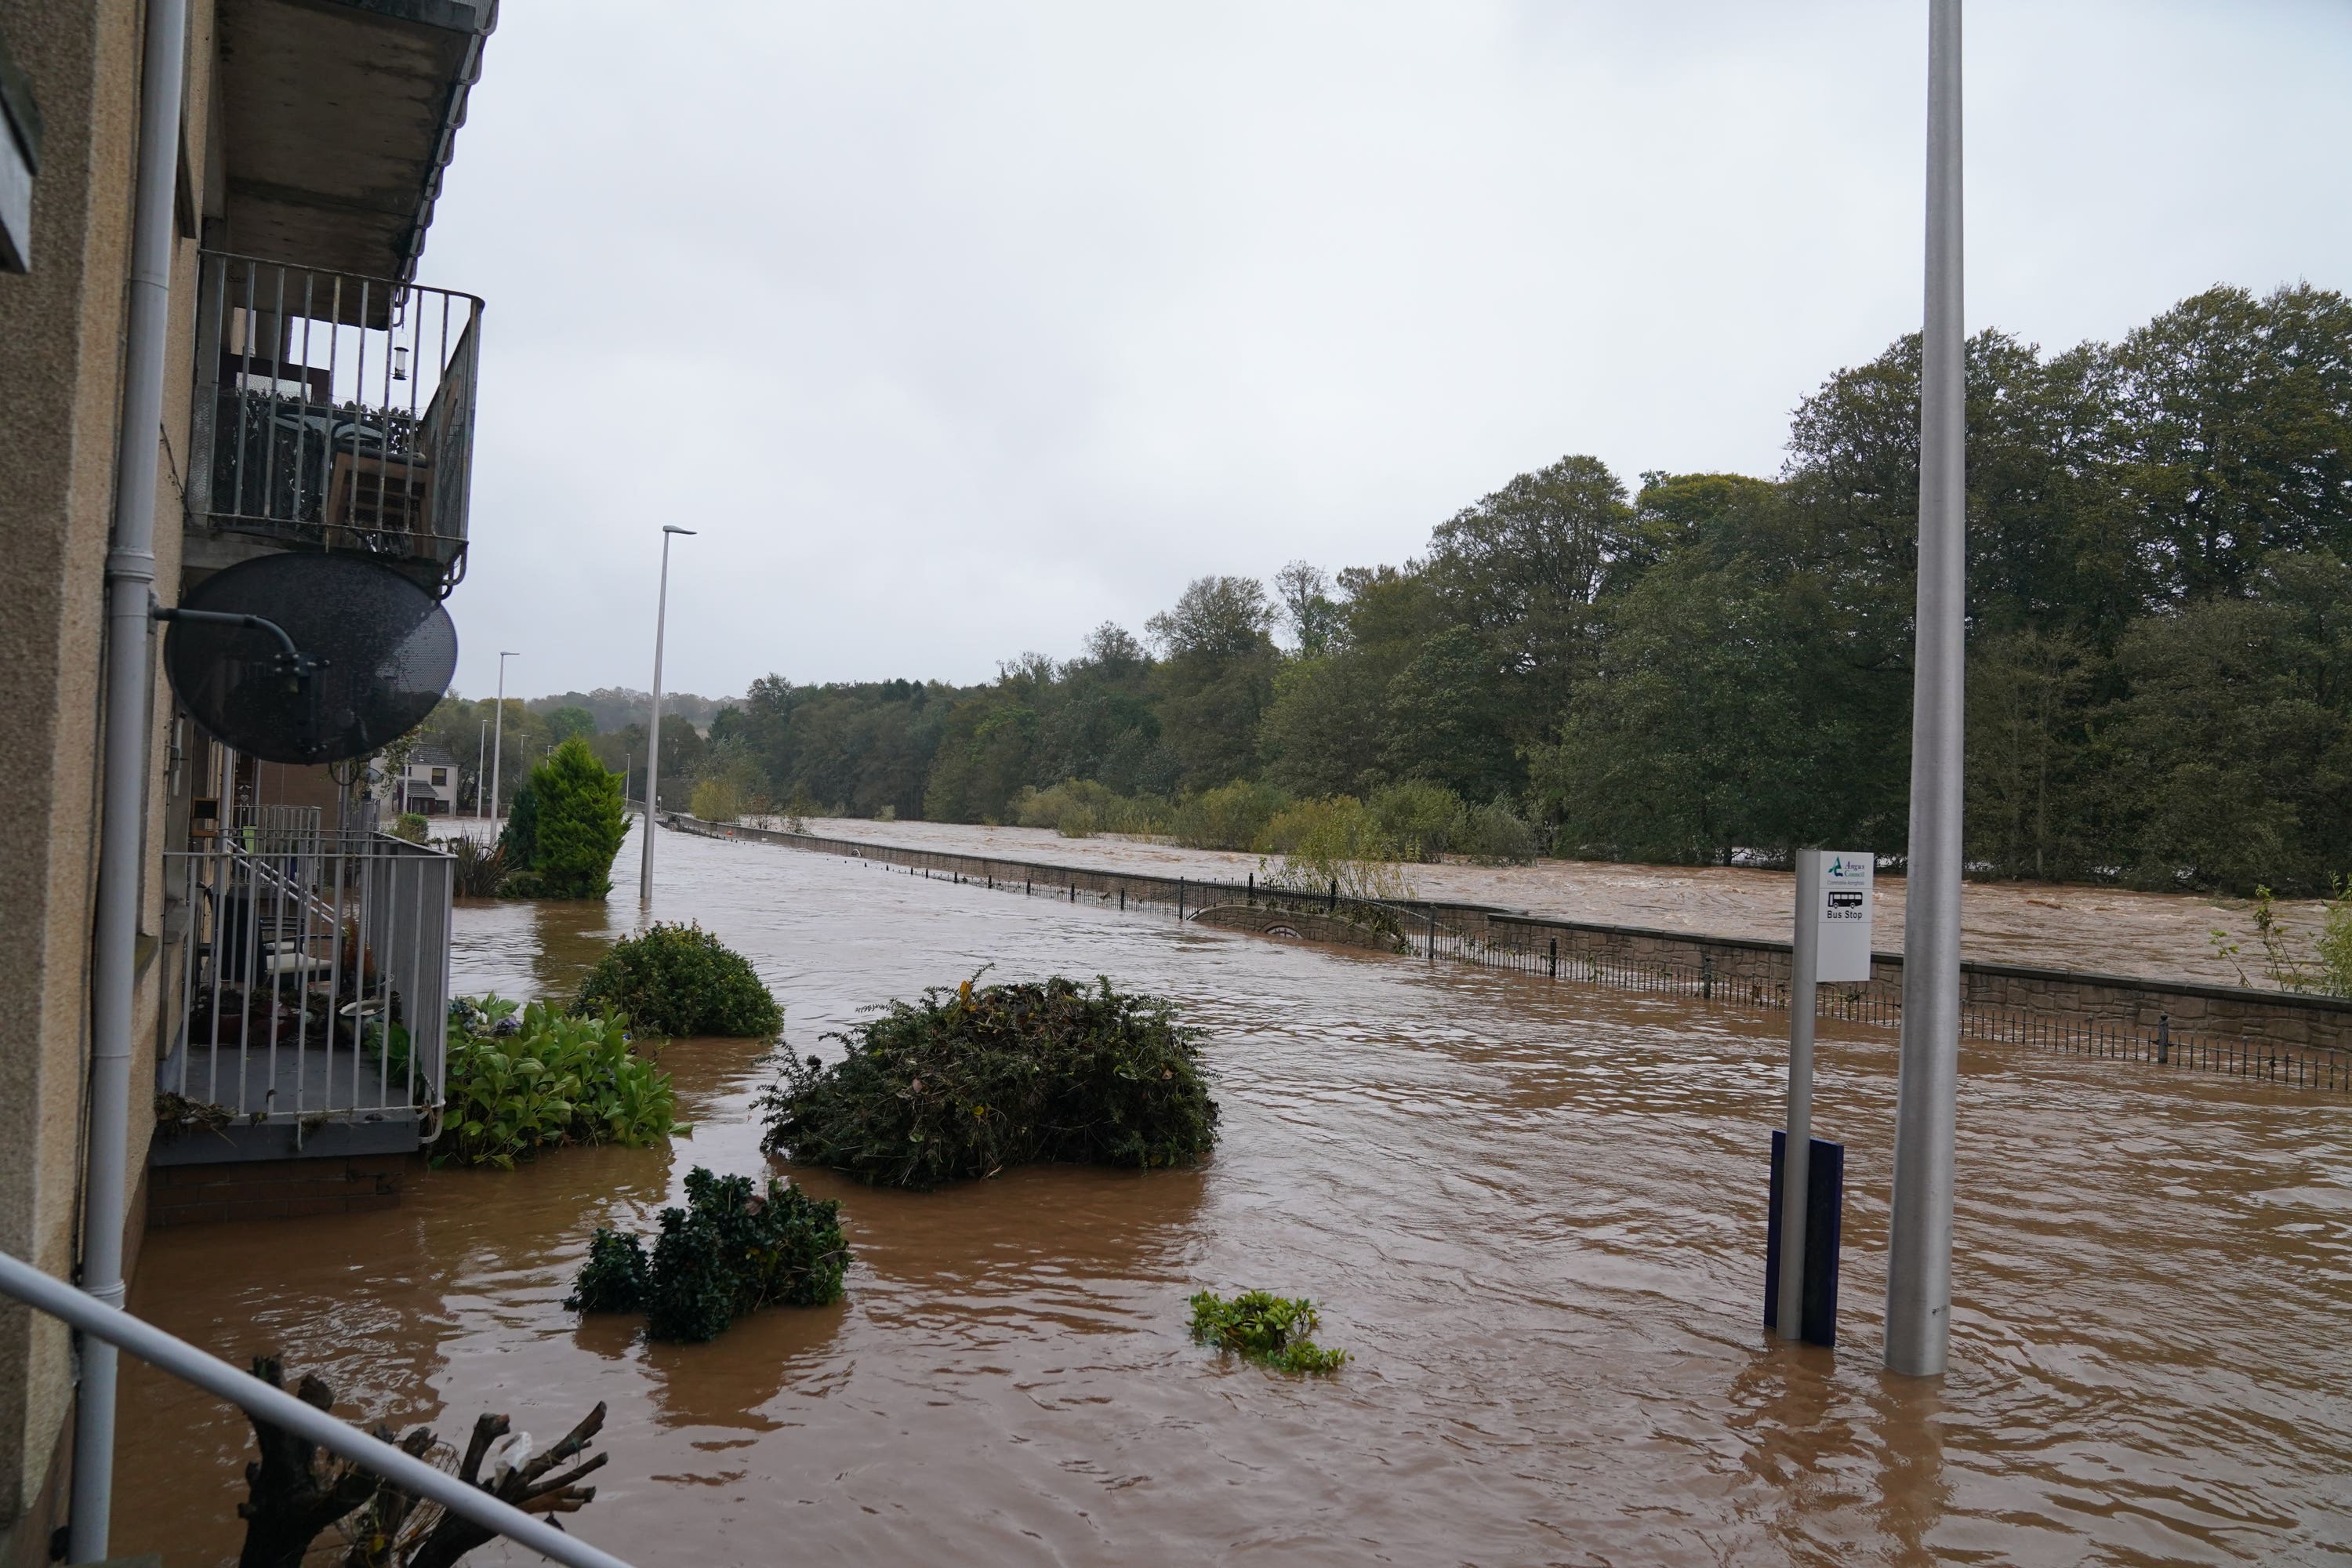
1919	1228
481	755
653	743
498	732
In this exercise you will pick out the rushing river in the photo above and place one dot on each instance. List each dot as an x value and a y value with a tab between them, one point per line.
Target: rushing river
1535	1212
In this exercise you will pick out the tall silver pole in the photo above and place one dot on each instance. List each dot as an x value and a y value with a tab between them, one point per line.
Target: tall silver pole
128	720
1919	1238
653	750
498	734
1796	1158
481	756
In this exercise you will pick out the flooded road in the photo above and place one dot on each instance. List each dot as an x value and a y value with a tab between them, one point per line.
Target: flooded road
1535	1214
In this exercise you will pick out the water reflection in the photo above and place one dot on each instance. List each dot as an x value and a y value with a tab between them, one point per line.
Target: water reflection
1534	1212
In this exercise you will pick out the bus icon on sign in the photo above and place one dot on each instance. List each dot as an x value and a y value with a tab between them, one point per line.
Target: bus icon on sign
1844	899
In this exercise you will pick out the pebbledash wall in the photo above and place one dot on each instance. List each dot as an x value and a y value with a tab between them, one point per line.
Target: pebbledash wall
2284	1037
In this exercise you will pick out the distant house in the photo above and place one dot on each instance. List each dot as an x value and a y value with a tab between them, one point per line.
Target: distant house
429	782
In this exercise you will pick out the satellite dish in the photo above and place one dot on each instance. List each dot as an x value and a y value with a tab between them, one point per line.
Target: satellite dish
371	653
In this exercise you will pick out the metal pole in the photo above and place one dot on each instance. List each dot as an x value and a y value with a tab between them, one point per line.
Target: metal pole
499	734
112	1326
652	750
481	755
1920	1233
1796	1159
129	716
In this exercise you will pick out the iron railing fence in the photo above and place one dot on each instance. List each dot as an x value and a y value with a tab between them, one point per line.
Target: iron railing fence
334	411
311	987
1465	933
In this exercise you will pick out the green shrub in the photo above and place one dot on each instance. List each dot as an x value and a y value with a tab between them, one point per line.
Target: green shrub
411	826
481	870
1080	808
614	1277
681	980
518	840
580	823
522	885
1494	835
731	1251
1328	842
1230	816
1265	1327
1420	819
968	1082
555	1079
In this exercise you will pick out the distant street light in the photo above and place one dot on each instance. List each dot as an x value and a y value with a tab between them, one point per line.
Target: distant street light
498	732
481	755
653	748
1919	1227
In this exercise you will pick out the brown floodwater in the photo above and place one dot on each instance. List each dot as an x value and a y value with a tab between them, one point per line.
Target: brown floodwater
1535	1212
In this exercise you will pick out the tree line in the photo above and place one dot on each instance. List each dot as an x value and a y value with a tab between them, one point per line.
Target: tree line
1702	667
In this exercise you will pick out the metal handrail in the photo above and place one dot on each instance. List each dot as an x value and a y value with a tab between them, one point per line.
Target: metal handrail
279	1408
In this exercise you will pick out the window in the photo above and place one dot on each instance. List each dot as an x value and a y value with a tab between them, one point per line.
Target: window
440	778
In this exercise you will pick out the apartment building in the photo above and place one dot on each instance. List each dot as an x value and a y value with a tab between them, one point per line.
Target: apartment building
317	396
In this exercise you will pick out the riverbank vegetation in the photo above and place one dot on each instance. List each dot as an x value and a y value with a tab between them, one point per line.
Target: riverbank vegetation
1277	1330
681	980
519	1081
731	1251
1703	666
970	1081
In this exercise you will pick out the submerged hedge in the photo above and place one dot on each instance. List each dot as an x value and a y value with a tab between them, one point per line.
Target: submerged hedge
970	1081
681	980
732	1250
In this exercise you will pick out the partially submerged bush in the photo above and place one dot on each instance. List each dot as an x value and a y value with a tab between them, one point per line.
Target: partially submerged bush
1328	842
681	980
1277	1330
970	1081
481	868
551	1078
580	823
1494	835
715	800
1080	808
1230	816
731	1251
1420	819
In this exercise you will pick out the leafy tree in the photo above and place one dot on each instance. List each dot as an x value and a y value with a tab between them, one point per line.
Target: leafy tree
580	823
564	723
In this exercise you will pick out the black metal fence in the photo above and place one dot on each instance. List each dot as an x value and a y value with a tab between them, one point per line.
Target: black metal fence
1560	950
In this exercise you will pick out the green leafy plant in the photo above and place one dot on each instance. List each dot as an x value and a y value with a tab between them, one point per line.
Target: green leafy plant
731	1250
681	980
1494	835
480	869
715	800
411	825
556	1079
970	1081
518	840
613	1279
1422	819
580	823
1230	816
1277	1330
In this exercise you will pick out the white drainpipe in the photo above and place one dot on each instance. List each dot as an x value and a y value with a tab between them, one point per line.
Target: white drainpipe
129	591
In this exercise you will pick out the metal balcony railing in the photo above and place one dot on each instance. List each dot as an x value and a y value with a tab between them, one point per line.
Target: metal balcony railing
334	412
311	994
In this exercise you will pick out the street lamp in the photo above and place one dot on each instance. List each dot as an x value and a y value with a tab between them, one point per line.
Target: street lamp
498	732
652	749
481	755
1919	1223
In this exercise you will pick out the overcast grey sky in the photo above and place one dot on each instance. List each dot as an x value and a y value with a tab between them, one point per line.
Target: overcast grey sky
957	329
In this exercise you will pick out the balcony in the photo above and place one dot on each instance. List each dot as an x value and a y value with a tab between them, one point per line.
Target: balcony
307	1004
332	412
